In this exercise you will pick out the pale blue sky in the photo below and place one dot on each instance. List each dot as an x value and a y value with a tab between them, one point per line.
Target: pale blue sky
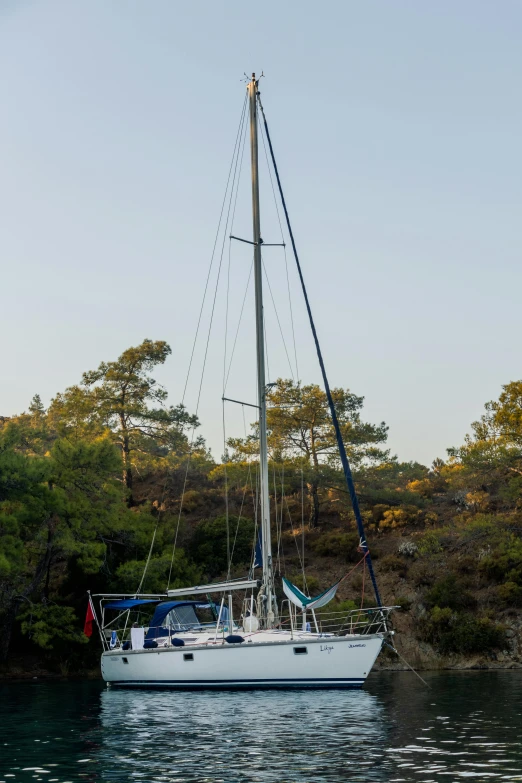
398	130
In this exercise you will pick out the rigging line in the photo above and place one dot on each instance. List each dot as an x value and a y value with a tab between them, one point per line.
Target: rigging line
291	316
206	345
255	505
292	531
302	532
241	121
284	251
153	537
225	373
163	493
266	354
240	512
406	662
254	499
244	494
225	458
148	559
280	543
230	220
363	581
239	323
342	451
275	510
278	321
241	158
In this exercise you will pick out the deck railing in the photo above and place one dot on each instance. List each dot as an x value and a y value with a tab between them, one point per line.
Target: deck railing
352	623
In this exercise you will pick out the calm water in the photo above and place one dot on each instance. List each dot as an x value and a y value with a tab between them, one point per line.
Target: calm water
468	725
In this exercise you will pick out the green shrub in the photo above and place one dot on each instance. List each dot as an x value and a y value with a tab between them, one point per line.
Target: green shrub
449	593
509	594
404	603
192	499
343	606
430	543
338	606
394	563
423	574
505	561
460	632
342	545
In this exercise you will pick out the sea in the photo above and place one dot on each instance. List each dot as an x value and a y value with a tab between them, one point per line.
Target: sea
460	726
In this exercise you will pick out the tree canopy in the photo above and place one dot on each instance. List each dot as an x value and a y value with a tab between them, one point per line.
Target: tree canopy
123	399
300	429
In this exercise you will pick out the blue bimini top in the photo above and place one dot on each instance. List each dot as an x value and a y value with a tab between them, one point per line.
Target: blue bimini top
184	617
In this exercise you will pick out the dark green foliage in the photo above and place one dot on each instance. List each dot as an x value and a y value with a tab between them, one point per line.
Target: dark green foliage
184	573
460	632
341	545
505	562
50	626
449	592
394	563
509	594
209	548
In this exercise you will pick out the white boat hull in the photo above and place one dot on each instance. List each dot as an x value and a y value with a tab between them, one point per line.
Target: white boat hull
331	662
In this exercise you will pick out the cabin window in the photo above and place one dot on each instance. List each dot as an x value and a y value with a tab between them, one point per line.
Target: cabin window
300	651
188	656
125	660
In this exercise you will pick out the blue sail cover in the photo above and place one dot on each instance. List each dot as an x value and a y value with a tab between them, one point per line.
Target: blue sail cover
129	603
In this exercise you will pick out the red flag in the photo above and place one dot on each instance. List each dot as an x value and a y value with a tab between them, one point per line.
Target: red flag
89	617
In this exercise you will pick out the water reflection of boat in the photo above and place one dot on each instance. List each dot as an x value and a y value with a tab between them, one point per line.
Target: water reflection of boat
203	734
263	648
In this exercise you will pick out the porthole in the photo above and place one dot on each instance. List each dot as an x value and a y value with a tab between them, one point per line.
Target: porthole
188	656
125	660
300	650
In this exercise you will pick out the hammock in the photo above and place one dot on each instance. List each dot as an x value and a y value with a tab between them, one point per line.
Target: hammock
305	602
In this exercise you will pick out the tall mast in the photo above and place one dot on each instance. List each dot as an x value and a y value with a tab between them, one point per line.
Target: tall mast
268	577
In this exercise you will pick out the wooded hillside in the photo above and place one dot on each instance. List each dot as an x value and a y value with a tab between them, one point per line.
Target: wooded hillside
88	483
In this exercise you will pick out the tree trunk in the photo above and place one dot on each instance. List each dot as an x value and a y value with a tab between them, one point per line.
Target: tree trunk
313	487
127	472
314	504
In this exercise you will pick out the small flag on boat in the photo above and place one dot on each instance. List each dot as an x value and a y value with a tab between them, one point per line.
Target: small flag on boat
89	617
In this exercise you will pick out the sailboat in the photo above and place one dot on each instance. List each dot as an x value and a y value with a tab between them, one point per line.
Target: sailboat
193	639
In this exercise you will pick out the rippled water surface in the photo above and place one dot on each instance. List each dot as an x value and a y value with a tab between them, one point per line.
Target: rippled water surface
467	725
